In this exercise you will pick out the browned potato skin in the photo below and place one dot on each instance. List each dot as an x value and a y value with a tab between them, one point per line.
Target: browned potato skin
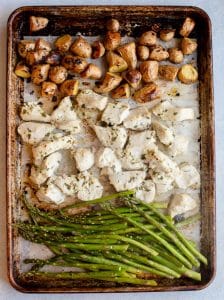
121	92
176	56
24	46
143	52
48	89
148	93
110	82
34	57
98	49
133	77
188	46
112	40
69	87
63	43
158	53
74	63
92	72
54	58
167	35
128	53
58	74
149	70
148	38
81	48
187	27
39	73
22	70
113	25
168	72
115	62
188	74
41	44
37	23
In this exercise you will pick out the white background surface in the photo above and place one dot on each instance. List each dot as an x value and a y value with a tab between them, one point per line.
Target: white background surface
215	9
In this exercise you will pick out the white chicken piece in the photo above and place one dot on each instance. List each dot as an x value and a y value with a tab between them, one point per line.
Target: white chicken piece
167	112
67	184
31	111
32	133
89	187
114	137
49	165
164	133
162	180
181	203
50	193
188	177
138	119
84	158
106	158
45	148
146	192
90	99
65	118
115	113
127	180
178	146
130	161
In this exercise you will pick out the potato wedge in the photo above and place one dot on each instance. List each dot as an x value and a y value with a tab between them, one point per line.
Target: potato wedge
34	57
188	46
24	46
39	73
176	55
112	40
188	74
81	47
121	92
148	93
110	82
143	52
187	27
63	43
158	53
167	35
58	74
168	72
42	44
74	63
116	63
98	49
113	25
48	89
37	23
133	77
22	70
128	53
148	38
92	72
69	87
149	70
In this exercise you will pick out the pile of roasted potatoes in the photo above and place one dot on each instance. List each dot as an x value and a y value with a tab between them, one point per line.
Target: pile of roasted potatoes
135	65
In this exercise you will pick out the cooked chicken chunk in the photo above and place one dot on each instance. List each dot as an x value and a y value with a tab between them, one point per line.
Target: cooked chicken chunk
33	133
68	184
31	111
162	180
138	119
130	160
146	192
106	158
127	180
90	99
45	148
164	134
188	177
50	193
115	113
89	187
113	137
49	165
65	118
181	203
84	158
178	146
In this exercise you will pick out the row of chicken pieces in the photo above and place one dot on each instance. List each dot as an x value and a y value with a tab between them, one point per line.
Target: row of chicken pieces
128	155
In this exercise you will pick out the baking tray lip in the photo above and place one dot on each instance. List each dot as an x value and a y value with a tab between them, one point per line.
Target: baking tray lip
11	276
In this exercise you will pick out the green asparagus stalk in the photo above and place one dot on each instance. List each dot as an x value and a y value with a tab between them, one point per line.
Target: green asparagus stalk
190	220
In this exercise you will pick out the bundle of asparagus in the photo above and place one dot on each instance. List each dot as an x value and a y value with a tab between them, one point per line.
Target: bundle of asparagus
134	243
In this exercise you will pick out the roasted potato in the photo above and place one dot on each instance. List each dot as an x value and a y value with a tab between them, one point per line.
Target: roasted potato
110	82
22	70
92	72
74	63
48	89
37	23
54	58
69	87
187	27
39	73
133	77
188	74
98	49
58	74
175	55
143	52
168	72
148	93
149	70
128	52
24	46
148	38
113	25
116	63
122	91
41	44
81	47
158	53
167	34
63	43
112	40
34	57
188	46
